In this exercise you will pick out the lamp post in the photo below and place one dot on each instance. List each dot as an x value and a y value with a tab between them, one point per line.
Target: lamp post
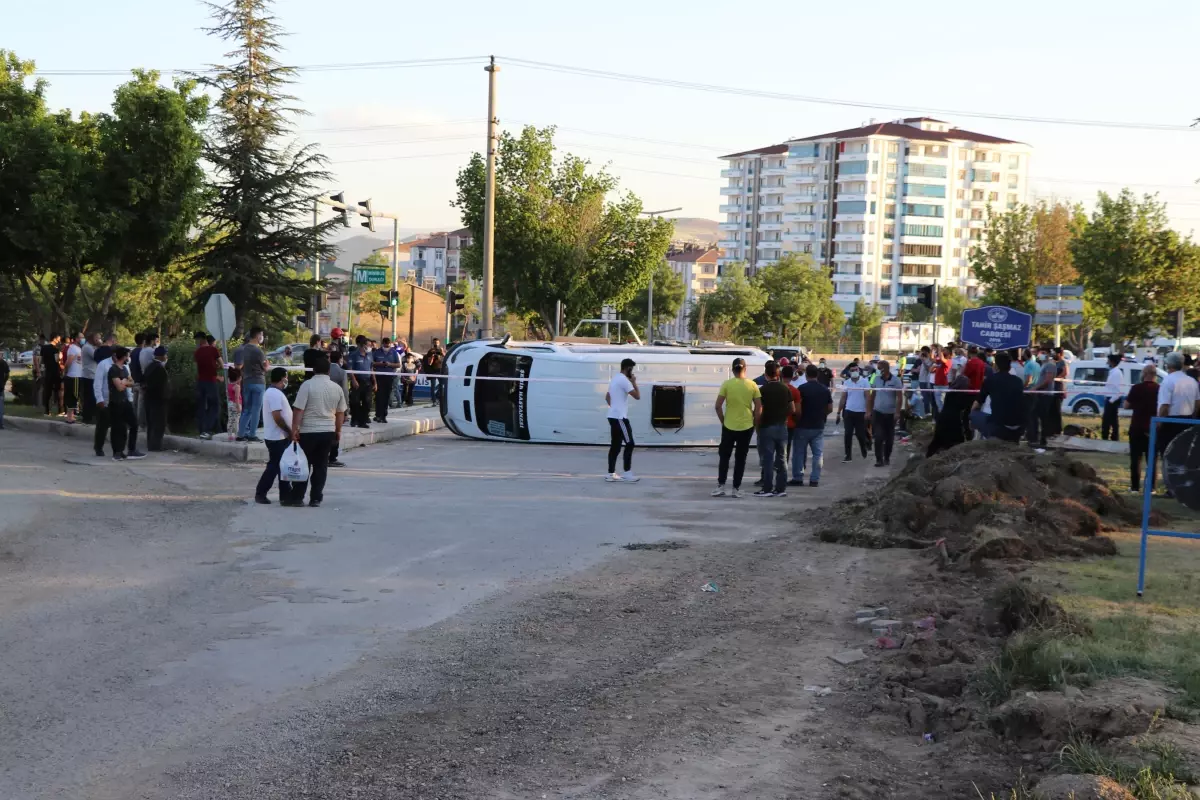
650	289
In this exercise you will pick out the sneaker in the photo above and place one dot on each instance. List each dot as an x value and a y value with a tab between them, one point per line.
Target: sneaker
99	454
613	478
796	482
847	460
1040	450
119	457
206	436
758	482
879	463
781	494
719	491
314	504
629	477
336	463
253	439
262	501
812	484
887	462
736	493
240	439
764	493
135	455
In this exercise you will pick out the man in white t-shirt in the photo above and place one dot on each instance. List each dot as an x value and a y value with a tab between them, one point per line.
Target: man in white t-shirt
73	375
622	386
277	431
957	364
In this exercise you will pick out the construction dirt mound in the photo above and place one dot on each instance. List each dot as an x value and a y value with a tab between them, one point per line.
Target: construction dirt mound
986	499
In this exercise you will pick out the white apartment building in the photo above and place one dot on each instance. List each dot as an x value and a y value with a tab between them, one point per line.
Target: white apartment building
886	207
697	266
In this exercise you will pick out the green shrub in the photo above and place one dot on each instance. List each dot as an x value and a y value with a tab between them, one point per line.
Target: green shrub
22	389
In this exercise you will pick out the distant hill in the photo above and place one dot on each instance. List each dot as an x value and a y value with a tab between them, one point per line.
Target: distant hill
695	229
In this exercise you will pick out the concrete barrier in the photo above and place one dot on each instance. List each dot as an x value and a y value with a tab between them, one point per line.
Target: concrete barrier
401	423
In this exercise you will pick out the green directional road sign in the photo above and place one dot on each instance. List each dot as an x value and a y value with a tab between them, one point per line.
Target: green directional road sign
369	275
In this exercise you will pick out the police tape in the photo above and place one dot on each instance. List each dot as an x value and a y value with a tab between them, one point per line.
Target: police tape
1089	387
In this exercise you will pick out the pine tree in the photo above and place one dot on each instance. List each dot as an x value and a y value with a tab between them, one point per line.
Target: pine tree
259	229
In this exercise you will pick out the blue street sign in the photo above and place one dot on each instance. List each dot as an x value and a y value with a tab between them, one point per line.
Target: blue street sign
997	327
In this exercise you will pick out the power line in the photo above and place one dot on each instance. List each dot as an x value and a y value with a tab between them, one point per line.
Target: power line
337	67
392	127
706	87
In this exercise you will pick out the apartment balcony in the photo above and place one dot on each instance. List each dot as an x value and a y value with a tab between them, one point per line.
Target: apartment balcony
849	237
801	179
765	190
924	199
767	206
800	236
844	157
729	226
847	197
793	216
908	238
770	226
851	257
766	262
847	297
920	280
773	171
848	277
802	197
770	244
929	260
729	244
843	216
732	190
731	208
733	173
976	223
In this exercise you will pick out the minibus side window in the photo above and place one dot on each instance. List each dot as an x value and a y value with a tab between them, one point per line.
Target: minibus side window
501	407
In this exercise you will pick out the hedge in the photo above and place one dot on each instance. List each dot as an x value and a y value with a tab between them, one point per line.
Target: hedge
22	389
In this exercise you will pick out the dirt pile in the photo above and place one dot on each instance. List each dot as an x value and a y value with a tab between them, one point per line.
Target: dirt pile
986	499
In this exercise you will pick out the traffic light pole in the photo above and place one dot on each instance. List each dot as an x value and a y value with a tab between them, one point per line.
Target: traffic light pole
935	310
396	270
363	209
316	312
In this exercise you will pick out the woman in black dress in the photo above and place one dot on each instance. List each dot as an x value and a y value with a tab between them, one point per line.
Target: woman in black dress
952	425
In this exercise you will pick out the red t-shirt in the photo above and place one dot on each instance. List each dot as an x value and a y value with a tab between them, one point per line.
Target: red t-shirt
975	371
941	370
208	362
791	421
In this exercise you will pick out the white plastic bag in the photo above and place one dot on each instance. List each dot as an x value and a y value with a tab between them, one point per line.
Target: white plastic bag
293	465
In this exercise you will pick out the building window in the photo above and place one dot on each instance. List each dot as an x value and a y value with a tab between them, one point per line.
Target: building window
1012	202
1012	181
957	254
890	191
923	250
962	174
993	197
958	213
961	194
853	168
1014	162
921	270
923	210
927	170
977	195
976	213
925	190
893	147
922	230
889	231
889	211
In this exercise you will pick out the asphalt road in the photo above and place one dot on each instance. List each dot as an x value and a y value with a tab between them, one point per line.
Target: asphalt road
146	607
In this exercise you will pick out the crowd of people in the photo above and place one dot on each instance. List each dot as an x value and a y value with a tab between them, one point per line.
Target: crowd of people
91	379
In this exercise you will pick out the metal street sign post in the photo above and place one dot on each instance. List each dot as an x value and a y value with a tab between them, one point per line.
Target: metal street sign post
220	319
1050	299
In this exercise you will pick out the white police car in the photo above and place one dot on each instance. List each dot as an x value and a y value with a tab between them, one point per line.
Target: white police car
1085	385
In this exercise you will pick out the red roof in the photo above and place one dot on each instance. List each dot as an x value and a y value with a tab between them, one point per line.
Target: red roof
924	119
773	150
901	130
694	256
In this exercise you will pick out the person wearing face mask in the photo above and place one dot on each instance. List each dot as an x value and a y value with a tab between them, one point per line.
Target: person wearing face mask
853	410
885	403
824	374
1040	422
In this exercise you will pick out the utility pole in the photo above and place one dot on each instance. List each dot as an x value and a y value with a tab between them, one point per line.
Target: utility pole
650	289
396	270
489	202
316	311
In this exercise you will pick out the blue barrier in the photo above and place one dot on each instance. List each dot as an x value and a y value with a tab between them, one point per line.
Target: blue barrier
1147	487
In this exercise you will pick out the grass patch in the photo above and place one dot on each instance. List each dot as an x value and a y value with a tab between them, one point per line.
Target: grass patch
1164	777
1114	469
1093	421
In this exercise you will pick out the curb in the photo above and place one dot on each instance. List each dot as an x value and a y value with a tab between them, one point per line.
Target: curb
398	428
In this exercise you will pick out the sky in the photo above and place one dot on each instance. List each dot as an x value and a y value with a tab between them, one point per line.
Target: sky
413	128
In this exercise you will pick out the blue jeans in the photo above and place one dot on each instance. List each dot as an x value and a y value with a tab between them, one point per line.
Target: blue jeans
252	400
772	443
208	406
2	405
927	396
802	440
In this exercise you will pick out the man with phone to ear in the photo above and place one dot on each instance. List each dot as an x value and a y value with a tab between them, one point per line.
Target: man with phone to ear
622	386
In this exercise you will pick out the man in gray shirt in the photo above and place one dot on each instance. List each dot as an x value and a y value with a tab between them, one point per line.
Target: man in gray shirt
337	375
254	385
89	376
885	402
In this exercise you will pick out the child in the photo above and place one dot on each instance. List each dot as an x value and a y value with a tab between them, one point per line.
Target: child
233	390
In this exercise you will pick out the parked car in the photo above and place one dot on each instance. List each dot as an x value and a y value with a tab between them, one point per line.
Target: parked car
25	359
288	355
1085	384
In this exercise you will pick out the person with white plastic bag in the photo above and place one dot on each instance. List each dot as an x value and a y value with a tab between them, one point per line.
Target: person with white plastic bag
277	433
318	413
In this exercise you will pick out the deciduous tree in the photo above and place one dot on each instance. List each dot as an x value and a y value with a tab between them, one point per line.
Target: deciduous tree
798	298
730	310
558	235
668	298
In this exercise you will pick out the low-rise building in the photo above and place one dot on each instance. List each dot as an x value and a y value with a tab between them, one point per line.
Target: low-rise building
697	266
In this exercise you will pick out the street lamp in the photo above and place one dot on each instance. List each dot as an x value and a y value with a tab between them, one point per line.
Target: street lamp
650	290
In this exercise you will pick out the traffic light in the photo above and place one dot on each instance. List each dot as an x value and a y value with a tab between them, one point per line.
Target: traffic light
370	223
305	313
927	295
340	198
456	302
388	302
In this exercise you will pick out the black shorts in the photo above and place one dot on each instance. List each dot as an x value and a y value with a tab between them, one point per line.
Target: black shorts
71	392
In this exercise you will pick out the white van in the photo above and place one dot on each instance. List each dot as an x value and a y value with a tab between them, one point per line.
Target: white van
557	390
1085	385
